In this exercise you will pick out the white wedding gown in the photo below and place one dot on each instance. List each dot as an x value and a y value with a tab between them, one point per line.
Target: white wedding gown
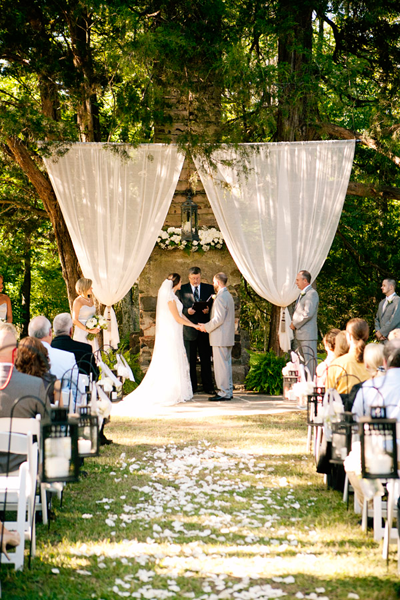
85	313
167	380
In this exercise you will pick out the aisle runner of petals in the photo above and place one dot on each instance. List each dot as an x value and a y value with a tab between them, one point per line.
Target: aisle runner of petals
225	555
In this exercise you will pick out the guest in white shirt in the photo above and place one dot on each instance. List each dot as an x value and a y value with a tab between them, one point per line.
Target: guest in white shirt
384	390
388	315
62	363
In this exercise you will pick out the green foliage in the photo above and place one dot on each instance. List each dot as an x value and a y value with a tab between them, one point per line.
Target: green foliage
265	375
133	361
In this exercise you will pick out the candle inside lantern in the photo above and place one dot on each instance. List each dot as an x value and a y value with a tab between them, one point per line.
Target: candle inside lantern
84	446
59	447
56	466
379	464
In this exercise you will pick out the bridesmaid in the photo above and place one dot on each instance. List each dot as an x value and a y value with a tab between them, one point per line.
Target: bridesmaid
5	304
82	309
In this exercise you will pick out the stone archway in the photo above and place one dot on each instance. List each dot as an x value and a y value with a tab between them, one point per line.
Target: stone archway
162	262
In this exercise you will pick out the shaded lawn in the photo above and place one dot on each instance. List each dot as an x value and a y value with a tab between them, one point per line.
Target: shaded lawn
207	508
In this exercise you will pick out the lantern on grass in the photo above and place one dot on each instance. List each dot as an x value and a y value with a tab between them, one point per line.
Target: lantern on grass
342	431
59	445
314	404
190	229
378	445
117	393
88	433
288	382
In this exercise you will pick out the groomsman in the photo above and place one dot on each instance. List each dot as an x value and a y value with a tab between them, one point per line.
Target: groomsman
304	321
197	341
221	328
388	315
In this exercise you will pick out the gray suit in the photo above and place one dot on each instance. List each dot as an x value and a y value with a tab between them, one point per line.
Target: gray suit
221	328
21	385
306	331
388	320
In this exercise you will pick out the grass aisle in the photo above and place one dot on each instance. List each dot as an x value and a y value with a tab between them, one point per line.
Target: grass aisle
228	507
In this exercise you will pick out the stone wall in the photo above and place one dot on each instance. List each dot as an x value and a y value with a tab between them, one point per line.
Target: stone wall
163	262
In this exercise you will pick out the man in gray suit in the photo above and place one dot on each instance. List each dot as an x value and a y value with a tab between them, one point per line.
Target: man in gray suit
15	385
221	328
304	321
388	315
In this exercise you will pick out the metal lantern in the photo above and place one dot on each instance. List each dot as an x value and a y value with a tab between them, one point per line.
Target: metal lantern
341	437
190	229
59	445
378	445
314	403
288	383
117	393
88	433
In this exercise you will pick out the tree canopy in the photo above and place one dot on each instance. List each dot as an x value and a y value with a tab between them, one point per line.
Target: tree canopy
202	72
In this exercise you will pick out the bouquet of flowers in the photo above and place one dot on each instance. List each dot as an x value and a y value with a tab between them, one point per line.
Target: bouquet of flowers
93	323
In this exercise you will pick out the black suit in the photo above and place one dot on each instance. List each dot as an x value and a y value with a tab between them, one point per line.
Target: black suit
197	341
83	354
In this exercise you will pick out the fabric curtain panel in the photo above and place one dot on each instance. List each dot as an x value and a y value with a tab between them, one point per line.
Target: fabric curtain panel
114	199
278	207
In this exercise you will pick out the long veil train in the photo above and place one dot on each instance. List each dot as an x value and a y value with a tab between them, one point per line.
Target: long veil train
167	380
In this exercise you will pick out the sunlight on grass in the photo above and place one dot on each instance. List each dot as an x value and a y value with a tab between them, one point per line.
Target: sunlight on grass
229	507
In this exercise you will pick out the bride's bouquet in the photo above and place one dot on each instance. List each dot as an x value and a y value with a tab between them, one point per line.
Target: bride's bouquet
93	323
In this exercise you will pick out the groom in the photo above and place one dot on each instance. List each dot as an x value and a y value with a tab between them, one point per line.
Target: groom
221	328
197	341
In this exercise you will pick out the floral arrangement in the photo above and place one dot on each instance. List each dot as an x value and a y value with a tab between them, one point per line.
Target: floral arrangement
170	238
93	323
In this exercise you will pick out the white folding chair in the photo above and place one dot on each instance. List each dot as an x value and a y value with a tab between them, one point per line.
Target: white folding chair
17	492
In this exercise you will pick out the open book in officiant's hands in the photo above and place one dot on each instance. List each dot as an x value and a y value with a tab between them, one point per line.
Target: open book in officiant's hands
202	304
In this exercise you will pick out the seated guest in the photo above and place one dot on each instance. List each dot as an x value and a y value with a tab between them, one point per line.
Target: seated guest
329	345
14	385
8	539
63	329
373	361
62	364
382	391
394	334
33	359
379	391
84	357
341	344
349	369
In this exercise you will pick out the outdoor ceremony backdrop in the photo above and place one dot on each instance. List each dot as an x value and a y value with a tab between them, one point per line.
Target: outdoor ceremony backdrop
233	71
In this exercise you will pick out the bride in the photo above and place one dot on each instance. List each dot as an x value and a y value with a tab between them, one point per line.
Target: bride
82	309
167	380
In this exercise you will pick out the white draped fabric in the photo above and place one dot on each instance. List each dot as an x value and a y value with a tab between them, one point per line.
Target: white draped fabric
280	214
114	200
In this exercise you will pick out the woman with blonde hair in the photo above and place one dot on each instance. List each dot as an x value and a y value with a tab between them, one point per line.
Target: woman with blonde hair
349	369
329	341
5	304
83	309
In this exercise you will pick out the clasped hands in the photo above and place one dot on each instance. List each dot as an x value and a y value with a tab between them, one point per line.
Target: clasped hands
201	327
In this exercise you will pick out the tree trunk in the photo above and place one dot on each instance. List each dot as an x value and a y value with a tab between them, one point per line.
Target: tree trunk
25	291
79	27
296	107
69	263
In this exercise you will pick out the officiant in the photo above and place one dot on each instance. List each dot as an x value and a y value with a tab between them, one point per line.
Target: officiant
196	298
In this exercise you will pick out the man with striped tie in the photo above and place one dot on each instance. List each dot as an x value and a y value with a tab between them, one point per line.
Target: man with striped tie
197	342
